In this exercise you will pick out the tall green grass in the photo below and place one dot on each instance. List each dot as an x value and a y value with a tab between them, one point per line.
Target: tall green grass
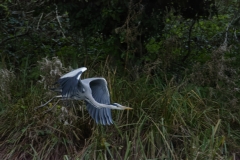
169	121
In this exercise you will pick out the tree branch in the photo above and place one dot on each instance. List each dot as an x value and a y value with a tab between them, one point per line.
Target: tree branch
10	38
189	41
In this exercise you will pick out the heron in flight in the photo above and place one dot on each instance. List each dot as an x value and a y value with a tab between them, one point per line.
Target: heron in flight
95	93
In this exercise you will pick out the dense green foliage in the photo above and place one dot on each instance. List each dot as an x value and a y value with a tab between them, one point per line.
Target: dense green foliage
174	62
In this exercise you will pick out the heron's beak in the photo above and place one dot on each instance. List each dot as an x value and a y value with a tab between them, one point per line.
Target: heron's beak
127	108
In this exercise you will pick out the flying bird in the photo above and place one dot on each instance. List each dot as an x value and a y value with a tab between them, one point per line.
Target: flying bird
95	93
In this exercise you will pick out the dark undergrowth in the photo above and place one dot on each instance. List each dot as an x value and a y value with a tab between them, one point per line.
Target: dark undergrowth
171	121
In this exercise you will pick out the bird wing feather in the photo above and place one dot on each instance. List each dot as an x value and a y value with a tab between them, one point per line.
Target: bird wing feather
101	94
70	83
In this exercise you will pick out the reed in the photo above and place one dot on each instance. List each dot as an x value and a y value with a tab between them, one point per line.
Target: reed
169	121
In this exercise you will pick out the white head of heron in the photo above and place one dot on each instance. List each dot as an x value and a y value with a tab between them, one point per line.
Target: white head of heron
119	106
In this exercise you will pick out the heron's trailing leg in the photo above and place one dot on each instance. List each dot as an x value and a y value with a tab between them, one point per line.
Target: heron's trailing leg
59	96
52	107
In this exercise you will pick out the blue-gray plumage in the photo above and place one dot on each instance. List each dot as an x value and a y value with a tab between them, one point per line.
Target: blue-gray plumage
95	93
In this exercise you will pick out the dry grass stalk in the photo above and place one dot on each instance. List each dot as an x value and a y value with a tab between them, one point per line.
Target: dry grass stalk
51	70
7	78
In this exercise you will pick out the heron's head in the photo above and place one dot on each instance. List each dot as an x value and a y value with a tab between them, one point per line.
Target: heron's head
119	106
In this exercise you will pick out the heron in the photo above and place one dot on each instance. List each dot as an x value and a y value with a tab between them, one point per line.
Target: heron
93	91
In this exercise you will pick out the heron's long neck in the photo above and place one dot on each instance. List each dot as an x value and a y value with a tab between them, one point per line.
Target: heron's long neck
98	105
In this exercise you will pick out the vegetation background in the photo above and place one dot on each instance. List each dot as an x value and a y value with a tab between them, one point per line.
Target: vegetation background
176	62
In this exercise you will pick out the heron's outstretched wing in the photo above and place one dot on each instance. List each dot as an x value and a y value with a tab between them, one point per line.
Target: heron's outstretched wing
70	83
101	94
